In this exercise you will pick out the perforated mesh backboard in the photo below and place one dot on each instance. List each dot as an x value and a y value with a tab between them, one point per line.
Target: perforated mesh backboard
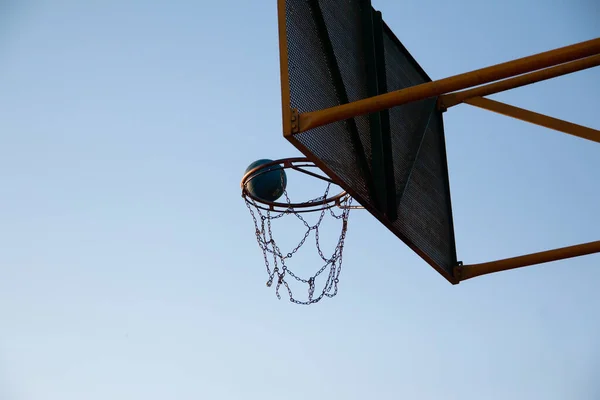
328	55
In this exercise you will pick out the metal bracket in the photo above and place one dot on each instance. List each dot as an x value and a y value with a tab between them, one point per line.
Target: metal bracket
441	106
458	271
295	121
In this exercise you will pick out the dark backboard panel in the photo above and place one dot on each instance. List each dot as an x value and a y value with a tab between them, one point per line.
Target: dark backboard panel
327	64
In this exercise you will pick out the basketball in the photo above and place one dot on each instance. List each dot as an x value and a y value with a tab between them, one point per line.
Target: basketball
268	184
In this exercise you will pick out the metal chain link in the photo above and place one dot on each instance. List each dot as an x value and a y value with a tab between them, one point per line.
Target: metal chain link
267	244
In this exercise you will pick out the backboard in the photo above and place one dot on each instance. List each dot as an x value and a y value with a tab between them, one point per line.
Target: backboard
392	162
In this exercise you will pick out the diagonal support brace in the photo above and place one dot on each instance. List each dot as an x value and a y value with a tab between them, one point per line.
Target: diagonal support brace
535	118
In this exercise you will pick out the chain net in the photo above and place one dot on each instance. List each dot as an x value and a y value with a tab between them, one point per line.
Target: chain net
276	260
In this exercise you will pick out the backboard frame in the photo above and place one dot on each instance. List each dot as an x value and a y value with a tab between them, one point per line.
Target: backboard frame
450	92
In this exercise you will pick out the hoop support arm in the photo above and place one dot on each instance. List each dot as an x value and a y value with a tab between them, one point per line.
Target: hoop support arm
466	80
535	118
452	99
465	272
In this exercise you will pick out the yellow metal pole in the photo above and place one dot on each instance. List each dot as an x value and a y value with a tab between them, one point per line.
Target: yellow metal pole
452	99
381	102
471	271
535	118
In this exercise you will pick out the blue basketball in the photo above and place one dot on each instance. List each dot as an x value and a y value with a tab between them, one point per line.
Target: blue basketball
267	184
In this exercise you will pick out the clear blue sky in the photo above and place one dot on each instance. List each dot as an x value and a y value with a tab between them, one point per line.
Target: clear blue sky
128	266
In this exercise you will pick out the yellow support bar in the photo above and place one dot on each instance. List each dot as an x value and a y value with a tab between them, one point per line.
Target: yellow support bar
535	118
509	69
452	99
465	272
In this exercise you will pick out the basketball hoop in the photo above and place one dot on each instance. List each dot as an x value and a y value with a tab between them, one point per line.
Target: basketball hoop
264	212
